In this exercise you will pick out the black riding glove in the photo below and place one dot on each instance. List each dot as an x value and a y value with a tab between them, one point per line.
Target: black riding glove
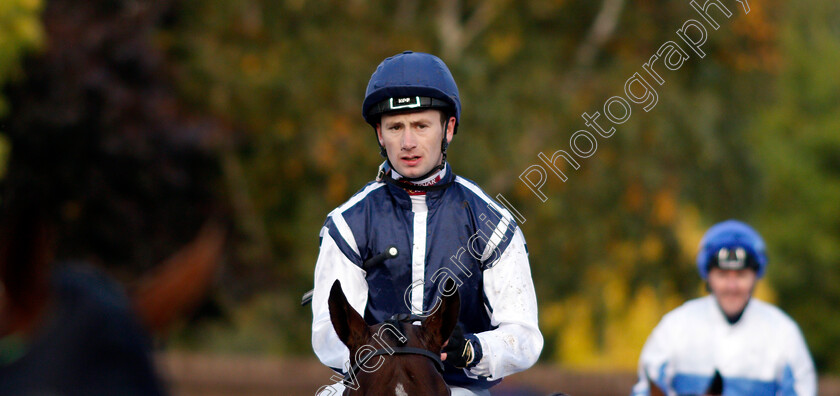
462	351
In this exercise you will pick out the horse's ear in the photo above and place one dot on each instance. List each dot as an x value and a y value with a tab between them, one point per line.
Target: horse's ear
716	387
180	284
348	324
439	325
654	389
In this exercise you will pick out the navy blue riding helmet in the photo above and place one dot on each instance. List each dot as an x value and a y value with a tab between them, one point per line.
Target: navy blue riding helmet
409	81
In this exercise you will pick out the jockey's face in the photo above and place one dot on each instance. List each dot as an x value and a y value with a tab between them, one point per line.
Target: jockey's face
412	140
732	288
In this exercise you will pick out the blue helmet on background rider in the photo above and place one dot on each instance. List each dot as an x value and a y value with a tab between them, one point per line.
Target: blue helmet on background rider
731	245
411	81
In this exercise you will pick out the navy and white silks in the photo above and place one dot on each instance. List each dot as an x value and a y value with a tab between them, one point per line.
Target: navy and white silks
763	353
458	232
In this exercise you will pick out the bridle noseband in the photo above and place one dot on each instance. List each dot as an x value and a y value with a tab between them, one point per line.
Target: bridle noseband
396	320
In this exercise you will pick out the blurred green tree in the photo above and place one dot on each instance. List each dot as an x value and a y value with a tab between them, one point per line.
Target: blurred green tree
796	139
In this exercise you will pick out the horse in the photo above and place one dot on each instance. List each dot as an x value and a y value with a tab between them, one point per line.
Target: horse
53	312
715	387
402	362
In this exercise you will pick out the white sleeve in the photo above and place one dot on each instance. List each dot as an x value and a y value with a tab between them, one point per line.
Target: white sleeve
800	368
332	264
654	359
517	342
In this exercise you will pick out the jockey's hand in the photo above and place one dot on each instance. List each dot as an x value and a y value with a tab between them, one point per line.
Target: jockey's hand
458	350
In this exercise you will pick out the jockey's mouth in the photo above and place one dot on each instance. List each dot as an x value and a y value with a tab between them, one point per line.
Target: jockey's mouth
411	159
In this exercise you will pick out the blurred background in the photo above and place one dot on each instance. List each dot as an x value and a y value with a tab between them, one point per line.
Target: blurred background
153	119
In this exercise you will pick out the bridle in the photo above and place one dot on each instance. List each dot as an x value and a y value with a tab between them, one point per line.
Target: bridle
396	350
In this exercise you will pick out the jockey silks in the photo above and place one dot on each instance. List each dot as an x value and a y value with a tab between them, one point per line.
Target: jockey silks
456	233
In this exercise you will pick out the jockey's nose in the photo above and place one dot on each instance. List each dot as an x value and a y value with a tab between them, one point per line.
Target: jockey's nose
409	141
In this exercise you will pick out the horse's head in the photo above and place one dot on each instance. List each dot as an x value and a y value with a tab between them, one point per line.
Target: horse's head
397	356
715	387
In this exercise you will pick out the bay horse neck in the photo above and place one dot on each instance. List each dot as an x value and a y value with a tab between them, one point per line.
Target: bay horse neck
399	368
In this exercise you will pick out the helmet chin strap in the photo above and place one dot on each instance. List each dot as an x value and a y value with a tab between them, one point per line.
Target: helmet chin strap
443	146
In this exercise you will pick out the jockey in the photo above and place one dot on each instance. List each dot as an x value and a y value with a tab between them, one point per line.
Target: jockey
757	348
444	226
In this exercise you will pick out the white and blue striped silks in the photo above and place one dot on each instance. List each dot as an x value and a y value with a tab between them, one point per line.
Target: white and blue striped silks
763	353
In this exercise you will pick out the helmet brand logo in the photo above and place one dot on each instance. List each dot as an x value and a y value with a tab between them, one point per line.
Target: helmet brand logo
732	258
405	103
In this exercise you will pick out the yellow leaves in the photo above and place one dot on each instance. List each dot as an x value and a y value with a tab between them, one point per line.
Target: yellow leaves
31	5
761	32
332	148
571	321
756	25
20	23
623	254
29	30
634	196
689	232
651	248
627	333
20	31
664	207
614	293
551	315
8	7
336	188
502	46
342	127
605	326
285	129
250	64
324	152
627	322
522	191
764	292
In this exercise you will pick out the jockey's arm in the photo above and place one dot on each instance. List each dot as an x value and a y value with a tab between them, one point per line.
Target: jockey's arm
332	264
799	376
517	342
